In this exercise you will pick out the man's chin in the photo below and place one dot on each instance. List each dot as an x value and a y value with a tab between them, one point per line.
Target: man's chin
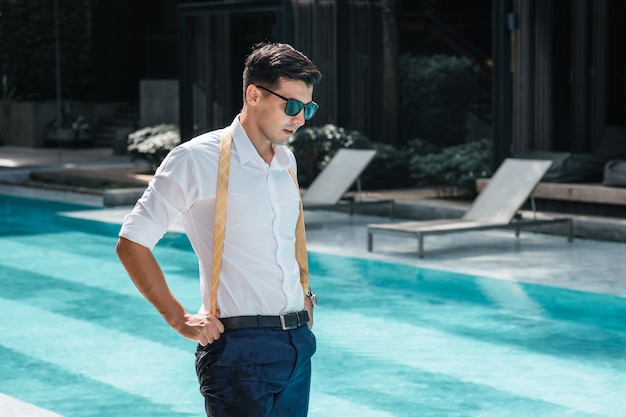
283	140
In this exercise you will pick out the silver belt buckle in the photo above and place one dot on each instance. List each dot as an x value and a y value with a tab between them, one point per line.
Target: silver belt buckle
283	323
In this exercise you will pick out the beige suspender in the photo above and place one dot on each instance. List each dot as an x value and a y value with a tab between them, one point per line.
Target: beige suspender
301	255
221	199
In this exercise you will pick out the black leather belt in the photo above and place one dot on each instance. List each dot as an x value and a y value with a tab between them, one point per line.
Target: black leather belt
287	321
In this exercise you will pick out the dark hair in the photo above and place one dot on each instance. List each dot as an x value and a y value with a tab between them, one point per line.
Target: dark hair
269	62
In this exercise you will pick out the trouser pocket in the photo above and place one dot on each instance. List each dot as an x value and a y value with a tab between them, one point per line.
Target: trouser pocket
207	356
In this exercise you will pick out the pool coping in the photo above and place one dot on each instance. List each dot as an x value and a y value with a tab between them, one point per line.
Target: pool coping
13	407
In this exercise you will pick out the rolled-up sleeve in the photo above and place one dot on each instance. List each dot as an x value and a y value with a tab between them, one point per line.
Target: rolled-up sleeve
171	191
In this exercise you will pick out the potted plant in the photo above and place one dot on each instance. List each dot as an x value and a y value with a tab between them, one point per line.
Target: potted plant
153	143
77	130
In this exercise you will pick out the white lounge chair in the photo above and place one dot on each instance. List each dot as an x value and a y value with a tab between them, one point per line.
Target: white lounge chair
329	188
496	206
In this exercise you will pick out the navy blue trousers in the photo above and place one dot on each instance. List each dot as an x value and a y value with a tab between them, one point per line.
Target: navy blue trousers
257	373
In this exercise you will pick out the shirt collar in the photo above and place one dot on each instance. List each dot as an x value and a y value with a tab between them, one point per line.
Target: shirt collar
247	152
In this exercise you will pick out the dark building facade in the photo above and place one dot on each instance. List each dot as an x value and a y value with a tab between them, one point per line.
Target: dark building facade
343	37
215	37
556	68
560	74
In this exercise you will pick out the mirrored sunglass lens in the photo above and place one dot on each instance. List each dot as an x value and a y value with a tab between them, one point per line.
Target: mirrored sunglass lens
310	110
293	107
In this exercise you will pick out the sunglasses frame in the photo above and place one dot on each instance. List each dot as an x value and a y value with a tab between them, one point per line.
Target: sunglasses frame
293	102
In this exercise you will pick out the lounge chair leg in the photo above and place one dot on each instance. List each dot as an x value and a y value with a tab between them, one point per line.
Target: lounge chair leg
420	246
570	230
370	241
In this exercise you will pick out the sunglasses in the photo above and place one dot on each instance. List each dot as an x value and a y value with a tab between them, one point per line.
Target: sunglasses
294	106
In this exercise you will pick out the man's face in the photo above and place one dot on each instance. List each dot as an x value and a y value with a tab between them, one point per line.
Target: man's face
273	122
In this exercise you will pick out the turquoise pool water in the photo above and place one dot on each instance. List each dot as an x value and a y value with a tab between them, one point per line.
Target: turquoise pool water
393	340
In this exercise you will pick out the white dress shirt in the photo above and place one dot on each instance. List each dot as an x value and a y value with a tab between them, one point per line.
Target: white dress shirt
260	274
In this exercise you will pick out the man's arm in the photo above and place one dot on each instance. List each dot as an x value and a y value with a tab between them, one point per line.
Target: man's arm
308	306
148	277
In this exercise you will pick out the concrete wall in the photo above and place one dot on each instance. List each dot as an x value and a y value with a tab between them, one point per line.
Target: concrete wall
24	123
158	102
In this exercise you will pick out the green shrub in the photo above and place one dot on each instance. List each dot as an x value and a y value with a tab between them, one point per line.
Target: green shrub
315	146
436	93
454	169
420	146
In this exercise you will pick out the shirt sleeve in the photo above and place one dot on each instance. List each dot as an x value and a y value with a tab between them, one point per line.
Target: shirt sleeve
171	191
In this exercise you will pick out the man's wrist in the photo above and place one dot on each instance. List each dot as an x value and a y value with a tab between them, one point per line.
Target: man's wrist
312	297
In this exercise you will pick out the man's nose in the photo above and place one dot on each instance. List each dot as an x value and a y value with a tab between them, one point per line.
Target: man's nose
298	119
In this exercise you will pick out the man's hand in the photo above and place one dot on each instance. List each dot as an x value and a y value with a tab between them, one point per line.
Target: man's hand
204	328
147	275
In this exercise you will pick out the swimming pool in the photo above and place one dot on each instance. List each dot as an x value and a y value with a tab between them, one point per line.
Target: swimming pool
393	340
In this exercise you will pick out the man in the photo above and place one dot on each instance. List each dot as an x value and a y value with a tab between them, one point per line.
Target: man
253	357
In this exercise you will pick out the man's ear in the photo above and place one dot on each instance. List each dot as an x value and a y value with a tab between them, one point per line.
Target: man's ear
252	95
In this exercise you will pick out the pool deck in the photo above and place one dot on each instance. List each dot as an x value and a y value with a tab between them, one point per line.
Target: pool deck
547	259
584	264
